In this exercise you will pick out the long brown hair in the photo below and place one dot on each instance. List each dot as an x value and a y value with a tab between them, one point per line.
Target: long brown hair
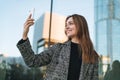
89	55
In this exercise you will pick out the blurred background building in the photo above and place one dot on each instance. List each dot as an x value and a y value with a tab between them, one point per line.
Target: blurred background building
41	31
107	31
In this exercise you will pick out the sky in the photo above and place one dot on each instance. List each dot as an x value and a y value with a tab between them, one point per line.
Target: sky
14	13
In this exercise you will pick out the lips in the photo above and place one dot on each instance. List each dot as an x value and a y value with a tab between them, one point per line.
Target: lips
68	31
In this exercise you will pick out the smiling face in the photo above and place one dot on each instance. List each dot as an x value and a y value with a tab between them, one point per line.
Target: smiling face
70	28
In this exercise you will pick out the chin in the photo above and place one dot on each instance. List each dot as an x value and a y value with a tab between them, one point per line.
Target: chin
69	36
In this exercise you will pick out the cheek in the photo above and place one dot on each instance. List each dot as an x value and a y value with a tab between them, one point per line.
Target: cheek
75	30
65	32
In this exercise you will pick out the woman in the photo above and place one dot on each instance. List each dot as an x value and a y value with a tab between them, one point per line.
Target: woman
74	59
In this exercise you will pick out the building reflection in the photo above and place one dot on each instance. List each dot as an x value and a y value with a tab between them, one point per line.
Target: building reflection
107	34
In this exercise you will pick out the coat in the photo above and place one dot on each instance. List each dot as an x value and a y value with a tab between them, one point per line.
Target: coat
57	60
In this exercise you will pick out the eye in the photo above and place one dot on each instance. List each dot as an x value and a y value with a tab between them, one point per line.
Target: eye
71	23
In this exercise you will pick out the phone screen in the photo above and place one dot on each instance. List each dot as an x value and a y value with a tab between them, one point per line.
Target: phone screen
32	11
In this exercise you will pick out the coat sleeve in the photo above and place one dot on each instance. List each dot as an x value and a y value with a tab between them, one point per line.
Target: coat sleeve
32	59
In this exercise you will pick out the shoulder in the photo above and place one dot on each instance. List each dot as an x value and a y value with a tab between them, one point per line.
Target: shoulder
56	46
96	55
59	46
67	42
62	44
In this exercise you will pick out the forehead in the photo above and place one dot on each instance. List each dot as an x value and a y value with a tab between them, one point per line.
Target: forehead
69	20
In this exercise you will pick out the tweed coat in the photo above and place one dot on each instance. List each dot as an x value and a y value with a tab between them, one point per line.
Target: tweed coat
57	60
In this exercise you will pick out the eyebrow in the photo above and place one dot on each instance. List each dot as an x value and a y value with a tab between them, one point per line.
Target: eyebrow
69	22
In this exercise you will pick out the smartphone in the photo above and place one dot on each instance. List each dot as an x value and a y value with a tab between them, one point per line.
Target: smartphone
32	11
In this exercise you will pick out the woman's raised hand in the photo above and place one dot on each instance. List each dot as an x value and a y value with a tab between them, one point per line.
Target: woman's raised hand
29	22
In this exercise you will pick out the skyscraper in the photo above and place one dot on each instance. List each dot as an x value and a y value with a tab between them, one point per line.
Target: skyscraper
107	28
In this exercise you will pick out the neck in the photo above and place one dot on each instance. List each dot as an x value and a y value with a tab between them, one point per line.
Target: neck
75	40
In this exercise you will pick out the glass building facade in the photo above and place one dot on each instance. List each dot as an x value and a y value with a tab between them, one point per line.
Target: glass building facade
107	27
107	32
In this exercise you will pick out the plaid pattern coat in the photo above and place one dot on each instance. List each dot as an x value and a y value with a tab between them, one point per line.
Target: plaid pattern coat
57	60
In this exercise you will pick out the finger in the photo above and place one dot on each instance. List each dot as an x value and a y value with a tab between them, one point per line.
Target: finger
30	19
28	23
